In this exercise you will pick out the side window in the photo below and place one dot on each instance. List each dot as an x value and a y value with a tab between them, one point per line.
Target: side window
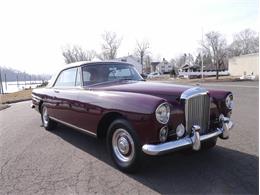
66	78
86	76
94	74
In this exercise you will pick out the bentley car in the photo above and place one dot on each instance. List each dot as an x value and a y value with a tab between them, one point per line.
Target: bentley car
111	100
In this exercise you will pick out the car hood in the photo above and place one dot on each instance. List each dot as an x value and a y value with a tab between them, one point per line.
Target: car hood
149	88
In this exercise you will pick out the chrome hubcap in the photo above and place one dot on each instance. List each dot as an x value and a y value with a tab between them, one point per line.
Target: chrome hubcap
45	116
123	145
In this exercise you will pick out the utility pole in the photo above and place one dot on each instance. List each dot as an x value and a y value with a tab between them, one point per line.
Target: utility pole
1	84
202	64
24	80
142	58
5	84
17	82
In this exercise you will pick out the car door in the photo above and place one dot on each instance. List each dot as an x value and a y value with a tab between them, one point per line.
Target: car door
65	95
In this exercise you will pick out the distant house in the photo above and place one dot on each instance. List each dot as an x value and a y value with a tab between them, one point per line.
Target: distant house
154	66
164	67
131	60
206	67
189	68
194	71
244	65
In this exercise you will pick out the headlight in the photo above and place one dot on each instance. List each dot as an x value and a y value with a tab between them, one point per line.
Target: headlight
163	113
163	134
180	130
229	101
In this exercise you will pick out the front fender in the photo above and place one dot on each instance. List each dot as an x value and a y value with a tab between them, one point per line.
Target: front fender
121	101
138	109
219	98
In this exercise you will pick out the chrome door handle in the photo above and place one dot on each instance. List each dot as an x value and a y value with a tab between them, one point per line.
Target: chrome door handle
56	91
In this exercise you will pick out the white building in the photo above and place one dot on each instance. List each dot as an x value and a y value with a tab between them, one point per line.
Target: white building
131	60
244	65
164	66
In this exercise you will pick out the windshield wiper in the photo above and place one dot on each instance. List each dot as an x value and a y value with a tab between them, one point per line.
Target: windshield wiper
125	79
128	79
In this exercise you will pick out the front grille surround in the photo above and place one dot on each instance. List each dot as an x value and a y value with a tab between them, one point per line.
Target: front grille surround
197	109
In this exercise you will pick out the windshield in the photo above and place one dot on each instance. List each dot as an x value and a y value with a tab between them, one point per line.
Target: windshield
100	73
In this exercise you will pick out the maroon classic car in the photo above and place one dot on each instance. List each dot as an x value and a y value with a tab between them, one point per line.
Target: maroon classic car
111	100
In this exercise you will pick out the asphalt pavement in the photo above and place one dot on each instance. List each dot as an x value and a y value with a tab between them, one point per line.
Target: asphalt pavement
35	161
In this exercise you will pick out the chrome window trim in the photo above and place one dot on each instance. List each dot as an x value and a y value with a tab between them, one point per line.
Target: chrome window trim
73	126
78	73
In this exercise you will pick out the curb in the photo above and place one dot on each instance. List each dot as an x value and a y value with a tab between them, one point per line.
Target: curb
4	106
16	101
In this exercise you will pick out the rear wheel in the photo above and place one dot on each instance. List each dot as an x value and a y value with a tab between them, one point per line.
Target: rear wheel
123	145
47	123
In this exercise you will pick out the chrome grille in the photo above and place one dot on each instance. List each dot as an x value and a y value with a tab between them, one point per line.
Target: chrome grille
197	110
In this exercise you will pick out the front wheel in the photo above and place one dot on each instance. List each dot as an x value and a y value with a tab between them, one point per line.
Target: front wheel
123	145
47	123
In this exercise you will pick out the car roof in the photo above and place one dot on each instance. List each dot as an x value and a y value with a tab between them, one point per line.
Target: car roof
81	63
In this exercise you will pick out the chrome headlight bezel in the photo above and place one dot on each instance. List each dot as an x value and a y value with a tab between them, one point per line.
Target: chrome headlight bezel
163	134
229	101
162	113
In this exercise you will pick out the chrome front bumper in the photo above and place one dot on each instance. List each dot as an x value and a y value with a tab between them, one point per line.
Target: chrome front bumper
193	141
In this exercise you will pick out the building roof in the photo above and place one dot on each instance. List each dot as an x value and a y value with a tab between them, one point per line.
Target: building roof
155	63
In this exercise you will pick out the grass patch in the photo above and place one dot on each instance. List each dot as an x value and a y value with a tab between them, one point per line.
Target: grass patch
16	96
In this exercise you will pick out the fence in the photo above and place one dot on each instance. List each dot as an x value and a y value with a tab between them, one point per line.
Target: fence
22	82
207	74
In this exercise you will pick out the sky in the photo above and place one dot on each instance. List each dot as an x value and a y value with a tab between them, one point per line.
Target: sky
33	33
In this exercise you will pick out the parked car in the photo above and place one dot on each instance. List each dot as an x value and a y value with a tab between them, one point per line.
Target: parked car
247	77
144	75
110	100
153	75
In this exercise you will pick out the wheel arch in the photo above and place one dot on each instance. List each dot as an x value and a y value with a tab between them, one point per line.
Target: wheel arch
105	121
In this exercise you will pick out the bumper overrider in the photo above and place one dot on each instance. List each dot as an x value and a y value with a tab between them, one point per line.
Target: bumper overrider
35	102
194	140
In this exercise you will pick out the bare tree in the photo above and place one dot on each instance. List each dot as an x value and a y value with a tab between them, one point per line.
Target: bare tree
76	54
91	54
147	62
181	60
207	59
244	42
110	45
215	45
142	50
